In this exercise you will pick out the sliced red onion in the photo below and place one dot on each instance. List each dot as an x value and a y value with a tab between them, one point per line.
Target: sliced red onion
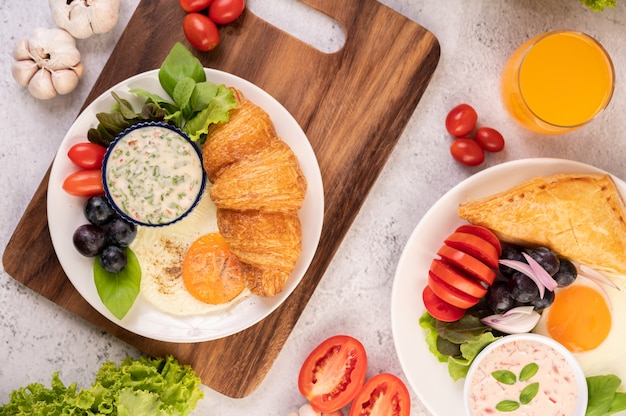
541	273
596	275
514	321
522	267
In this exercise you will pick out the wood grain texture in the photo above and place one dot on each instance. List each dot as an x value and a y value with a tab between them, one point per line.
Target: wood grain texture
353	105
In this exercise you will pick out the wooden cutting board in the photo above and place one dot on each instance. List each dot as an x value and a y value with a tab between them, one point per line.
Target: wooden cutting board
353	106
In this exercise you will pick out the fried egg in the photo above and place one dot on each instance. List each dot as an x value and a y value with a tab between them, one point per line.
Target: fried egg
590	320
161	251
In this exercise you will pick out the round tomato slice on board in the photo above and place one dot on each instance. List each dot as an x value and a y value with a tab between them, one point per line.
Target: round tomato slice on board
439	308
382	395
333	373
469	264
482	232
474	246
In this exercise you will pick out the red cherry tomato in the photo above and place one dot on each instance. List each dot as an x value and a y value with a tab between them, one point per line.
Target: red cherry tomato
201	31
461	120
87	155
226	11
439	308
87	182
467	152
489	139
192	6
333	373
382	395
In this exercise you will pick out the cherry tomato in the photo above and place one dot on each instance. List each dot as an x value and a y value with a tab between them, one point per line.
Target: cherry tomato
468	264
482	232
489	139
86	182
461	120
474	246
201	32
457	279
333	373
439	308
192	6
87	155
226	11
382	395
467	152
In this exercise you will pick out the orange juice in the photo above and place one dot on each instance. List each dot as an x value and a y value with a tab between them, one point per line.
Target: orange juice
557	81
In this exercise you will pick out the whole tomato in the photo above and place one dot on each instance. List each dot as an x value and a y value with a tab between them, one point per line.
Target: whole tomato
467	152
201	31
461	120
489	139
226	11
192	6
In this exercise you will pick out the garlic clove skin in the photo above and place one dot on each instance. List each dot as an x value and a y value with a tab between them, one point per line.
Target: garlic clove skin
40	85
82	18
53	48
21	51
79	69
64	81
23	71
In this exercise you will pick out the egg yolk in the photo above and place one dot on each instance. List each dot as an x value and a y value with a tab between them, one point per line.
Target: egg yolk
579	318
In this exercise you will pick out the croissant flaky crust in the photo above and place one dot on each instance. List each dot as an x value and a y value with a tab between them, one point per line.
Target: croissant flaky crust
258	188
580	216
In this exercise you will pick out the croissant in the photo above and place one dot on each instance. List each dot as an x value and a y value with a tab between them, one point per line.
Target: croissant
258	188
579	216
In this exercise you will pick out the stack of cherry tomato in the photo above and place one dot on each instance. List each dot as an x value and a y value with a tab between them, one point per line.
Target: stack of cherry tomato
333	376
203	16
460	123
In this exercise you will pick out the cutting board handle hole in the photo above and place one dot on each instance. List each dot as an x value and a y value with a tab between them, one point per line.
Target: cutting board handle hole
301	21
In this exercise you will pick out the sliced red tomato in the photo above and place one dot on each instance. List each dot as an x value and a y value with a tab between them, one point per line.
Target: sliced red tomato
333	373
450	294
439	308
474	246
87	155
86	182
482	232
382	395
469	264
457	279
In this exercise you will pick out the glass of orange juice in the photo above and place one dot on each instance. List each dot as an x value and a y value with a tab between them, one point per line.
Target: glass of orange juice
557	81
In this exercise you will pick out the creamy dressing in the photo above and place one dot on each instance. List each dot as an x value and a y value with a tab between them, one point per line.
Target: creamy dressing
558	391
154	175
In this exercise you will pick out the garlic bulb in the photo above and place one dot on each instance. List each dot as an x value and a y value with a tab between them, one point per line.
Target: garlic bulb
83	18
48	63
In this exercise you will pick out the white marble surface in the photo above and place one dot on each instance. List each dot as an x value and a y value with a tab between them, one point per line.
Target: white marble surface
476	36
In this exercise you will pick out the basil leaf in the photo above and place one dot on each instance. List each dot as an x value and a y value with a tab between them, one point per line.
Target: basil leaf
182	92
178	64
507	406
528	393
528	371
202	95
118	291
504	376
603	396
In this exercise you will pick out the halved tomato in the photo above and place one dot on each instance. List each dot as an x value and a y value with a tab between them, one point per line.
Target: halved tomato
382	395
333	373
468	264
449	293
457	279
482	232
474	246
439	308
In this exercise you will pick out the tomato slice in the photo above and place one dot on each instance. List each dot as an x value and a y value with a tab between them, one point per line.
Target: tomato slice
382	395
457	279
469	264
86	182
333	373
449	293
439	308
482	232
474	246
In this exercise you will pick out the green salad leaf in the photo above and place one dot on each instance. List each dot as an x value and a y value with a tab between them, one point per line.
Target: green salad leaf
143	386
118	291
604	399
598	5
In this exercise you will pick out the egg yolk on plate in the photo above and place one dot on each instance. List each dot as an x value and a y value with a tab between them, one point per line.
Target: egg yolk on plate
579	318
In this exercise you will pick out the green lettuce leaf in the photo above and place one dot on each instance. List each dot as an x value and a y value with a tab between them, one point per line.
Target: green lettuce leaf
179	63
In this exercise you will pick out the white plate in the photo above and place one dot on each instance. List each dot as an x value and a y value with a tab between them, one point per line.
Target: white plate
428	377
65	214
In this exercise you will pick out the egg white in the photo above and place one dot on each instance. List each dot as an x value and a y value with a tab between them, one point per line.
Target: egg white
607	358
161	250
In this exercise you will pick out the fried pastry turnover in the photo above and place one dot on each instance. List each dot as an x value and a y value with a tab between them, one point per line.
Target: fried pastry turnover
579	216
